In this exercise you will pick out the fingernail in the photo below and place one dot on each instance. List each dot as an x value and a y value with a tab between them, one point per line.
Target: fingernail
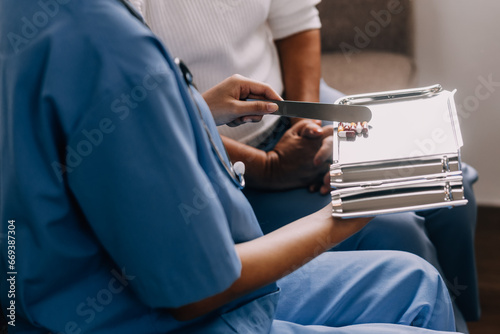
272	107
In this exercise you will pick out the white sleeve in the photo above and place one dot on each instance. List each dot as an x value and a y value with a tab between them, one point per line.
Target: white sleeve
140	6
288	17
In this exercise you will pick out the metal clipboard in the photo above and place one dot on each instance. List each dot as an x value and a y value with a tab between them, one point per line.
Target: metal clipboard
410	159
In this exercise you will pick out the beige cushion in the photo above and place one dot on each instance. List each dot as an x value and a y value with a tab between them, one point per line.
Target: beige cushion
368	71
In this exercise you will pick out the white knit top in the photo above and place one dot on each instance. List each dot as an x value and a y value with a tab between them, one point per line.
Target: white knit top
218	38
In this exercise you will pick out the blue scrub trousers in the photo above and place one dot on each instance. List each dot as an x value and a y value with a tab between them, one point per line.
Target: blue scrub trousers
350	289
444	237
345	292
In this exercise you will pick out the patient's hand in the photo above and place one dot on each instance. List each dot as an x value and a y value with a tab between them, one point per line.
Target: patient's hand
301	157
324	157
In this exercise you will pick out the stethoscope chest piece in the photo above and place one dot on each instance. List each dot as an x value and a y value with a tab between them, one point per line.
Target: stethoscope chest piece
239	170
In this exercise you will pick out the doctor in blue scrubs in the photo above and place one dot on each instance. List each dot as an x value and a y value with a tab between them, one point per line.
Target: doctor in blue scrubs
127	216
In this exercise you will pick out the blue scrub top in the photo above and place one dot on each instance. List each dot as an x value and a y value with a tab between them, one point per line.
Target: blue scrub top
121	208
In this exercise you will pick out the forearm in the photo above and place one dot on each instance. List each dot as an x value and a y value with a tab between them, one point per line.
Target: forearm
300	57
255	160
270	257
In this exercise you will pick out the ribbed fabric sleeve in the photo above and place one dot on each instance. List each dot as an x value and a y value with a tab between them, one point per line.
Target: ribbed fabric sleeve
219	38
288	17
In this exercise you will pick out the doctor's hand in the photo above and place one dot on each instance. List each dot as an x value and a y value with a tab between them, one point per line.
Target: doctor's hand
227	100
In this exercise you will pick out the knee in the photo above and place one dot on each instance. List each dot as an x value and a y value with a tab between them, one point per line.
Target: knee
469	174
413	265
419	281
404	231
411	275
416	274
470	177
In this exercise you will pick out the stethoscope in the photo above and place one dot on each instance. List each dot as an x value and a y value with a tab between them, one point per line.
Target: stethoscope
235	171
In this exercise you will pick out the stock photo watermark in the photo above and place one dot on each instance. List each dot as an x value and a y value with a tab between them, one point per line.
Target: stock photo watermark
200	200
121	107
425	146
33	24
11	273
88	310
104	297
363	37
202	197
484	90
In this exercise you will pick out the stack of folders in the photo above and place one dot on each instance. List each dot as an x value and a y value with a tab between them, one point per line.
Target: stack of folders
407	158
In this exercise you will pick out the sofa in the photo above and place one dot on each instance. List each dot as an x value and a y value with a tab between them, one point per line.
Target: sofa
367	45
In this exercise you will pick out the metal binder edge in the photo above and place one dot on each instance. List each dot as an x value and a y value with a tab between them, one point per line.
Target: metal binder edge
368	188
337	170
371	213
390	95
428	177
454	118
430	157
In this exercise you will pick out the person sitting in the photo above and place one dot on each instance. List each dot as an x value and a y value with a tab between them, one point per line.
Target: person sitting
128	216
278	42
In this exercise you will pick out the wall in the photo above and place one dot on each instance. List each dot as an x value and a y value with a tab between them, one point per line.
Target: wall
457	44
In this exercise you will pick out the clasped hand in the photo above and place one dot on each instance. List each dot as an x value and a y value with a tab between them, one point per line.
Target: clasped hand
302	157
